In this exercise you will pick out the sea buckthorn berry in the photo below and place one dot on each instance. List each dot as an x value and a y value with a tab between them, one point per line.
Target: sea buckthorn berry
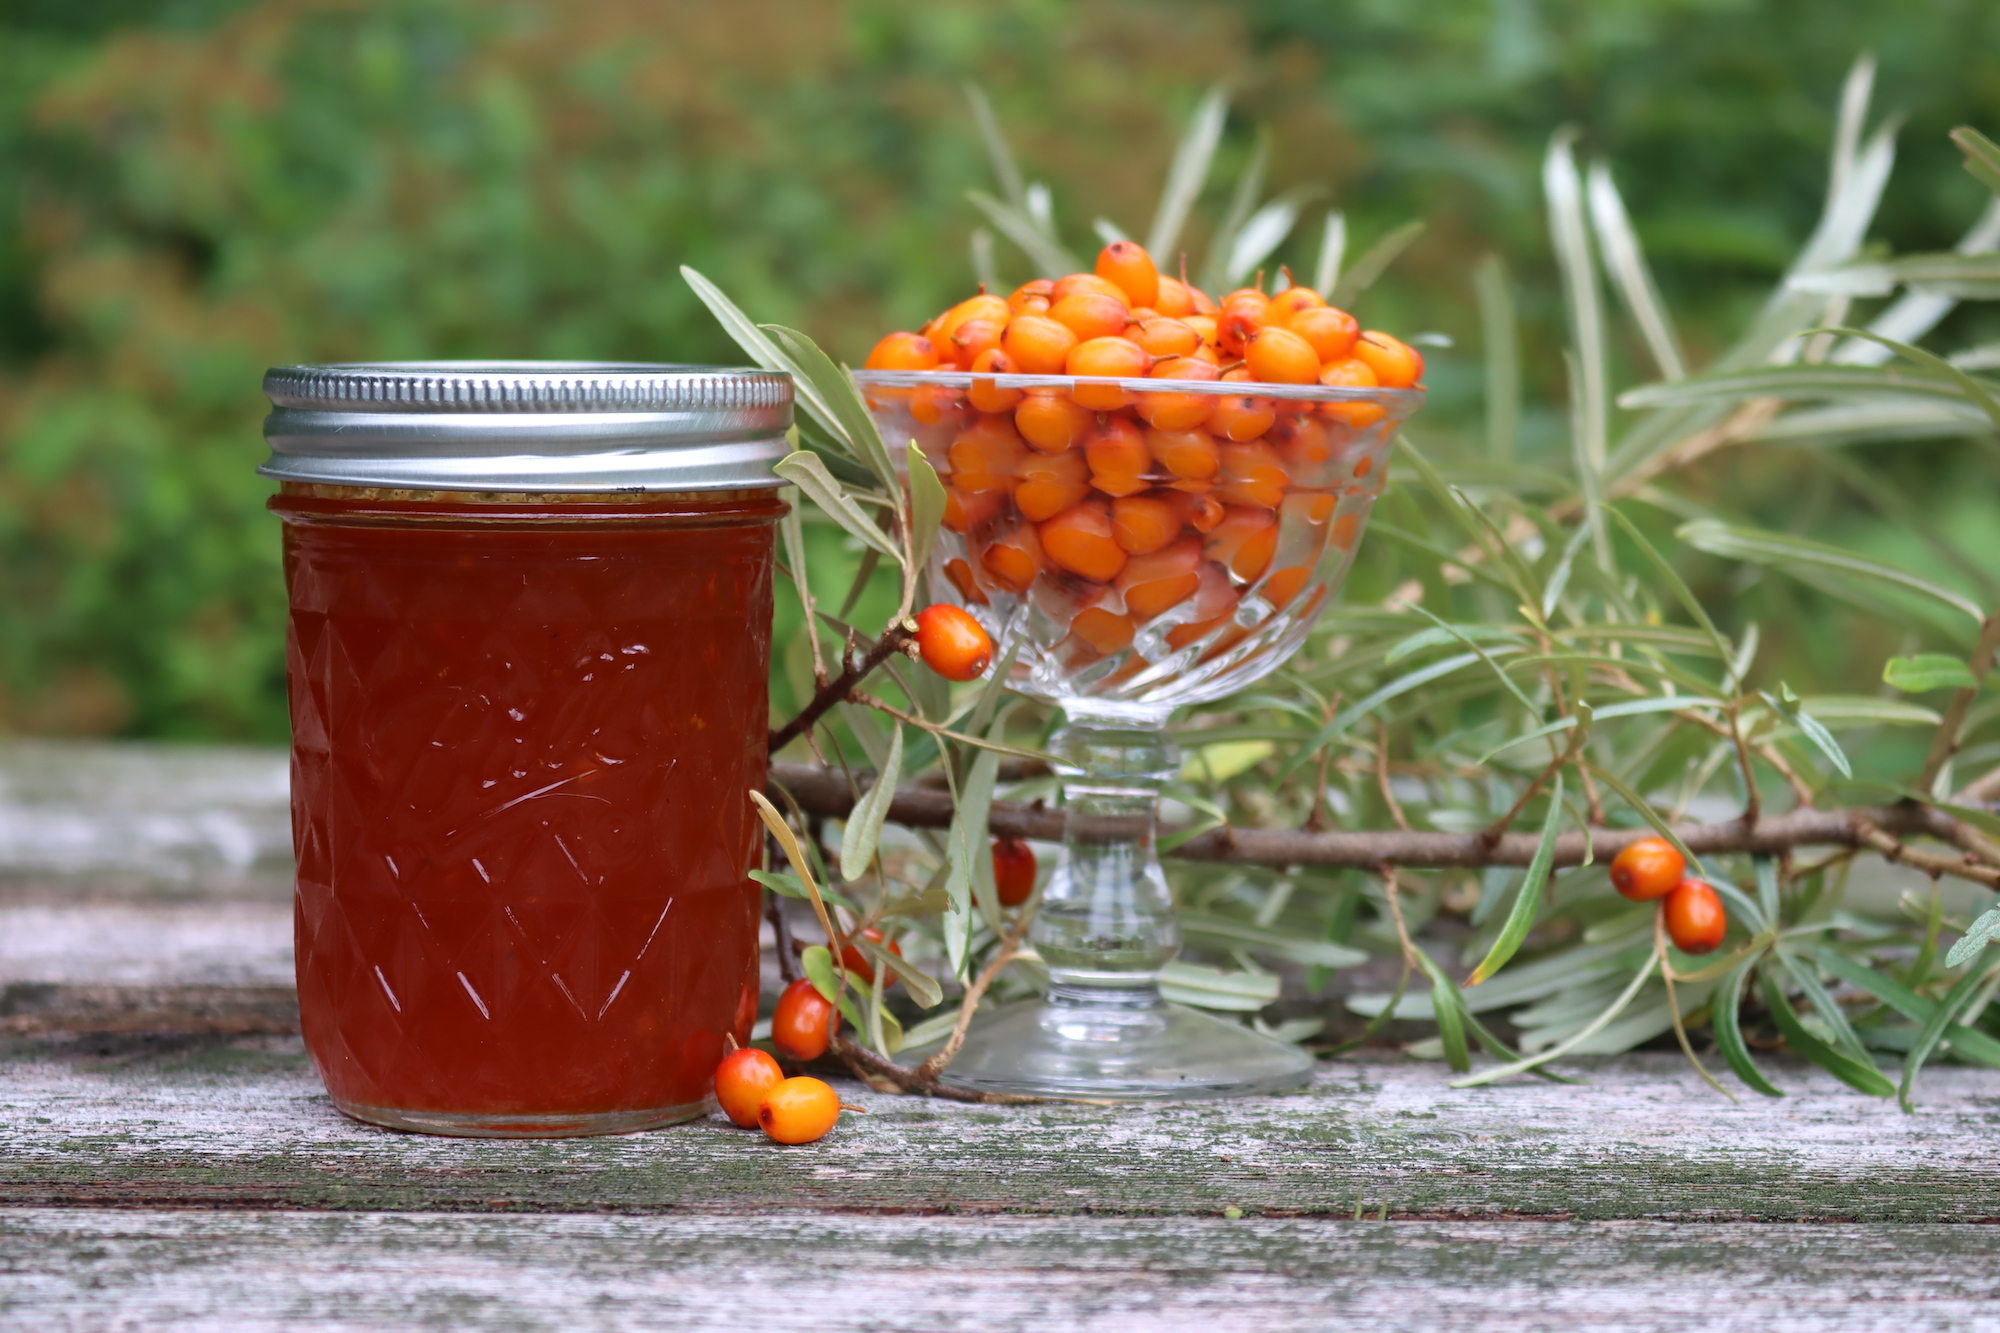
982	307
955	646
966	510
1161	581
1013	870
1080	541
903	351
1331	332
1648	869
1291	301
1050	421
1353	373
1091	315
799	1110
1051	483
1014	559
1118	457
1173	300
1038	290
1245	541
960	574
985	455
1106	358
1204	304
1252	475
1038	345
1205	329
1396	365
1284	584
1104	632
1161	336
1204	512
1241	419
804	1022
743	1079
1279	356
1126	264
1189	454
1064	288
1243	314
974	338
932	403
851	958
1303	447
985	395
1179	411
1143	524
1696	920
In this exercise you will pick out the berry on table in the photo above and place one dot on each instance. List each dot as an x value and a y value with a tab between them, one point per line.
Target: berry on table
952	643
799	1110
804	1023
1013	870
1650	868
742	1080
1696	919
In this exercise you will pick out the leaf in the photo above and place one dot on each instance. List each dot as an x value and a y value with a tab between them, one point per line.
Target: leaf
1373	263
1522	918
1754	546
997	152
922	987
1830	1012
1766	870
850	415
1050	259
1332	249
1399	686
1575	1039
1214	274
926	506
791	886
1968	1042
1818	382
788	841
1626	261
1928	671
1449	1010
1975	939
1933	1031
817	963
1982	155
1861	1075
1187	175
1864	710
809	474
1638	707
1974	276
1501	333
1292	948
1212	988
1587	353
864	824
1789	710
1675	583
1724	1009
1431	638
1978	390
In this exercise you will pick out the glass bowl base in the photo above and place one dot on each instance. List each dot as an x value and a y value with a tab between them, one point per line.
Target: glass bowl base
1123	1049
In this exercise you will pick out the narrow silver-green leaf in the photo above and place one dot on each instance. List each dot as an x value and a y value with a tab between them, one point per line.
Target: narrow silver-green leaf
1625	259
1332	250
1970	1043
927	501
1186	176
837	390
997	152
1501	329
1374	262
1521	919
1861	1075
758	347
1212	988
1399	686
1636	708
1754	546
1975	939
809	474
1675	583
1229	934
1982	156
1050	259
1933	1031
864	823
923	988
1450	1012
817	963
1813	729
1729	1030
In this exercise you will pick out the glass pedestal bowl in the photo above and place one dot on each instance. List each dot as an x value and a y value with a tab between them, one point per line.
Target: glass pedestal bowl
1138	545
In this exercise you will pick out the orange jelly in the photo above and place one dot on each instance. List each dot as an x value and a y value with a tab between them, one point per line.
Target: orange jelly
523	734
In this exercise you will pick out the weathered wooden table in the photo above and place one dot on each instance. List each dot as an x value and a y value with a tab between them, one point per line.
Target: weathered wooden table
167	1159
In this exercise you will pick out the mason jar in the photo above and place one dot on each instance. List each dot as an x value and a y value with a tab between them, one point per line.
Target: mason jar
527	661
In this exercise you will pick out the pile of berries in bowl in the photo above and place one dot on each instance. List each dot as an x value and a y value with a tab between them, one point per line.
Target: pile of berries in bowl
1153	490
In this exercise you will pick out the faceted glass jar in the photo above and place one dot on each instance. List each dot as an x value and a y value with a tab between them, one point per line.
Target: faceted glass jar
523	730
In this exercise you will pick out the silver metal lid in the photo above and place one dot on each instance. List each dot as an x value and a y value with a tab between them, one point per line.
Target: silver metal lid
526	426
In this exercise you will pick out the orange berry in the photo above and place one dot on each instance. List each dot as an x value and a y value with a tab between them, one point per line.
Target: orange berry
1014	559
855	961
1396	365
1291	301
1179	411
1161	336
1204	304
1118	457
1162	580
1252	475
1648	869
1106	358
1143	524
1241	418
1205	328
1279	356
960	575
972	339
1353	373
1284	585
1091	315
1050	421
742	1081
985	454
1064	288
1038	290
1038	345
981	307
1696	919
985	395
932	403
955	646
1173	299
1331	332
902	351
804	1021
1245	541
1051	483
1189	454
1127	265
1243	314
1080	541
1105	632
965	510
1203	512
799	1110
1013	870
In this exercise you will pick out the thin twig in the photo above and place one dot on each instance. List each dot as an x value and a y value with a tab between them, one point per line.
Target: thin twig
1945	744
895	639
1895	849
944	1054
1392	889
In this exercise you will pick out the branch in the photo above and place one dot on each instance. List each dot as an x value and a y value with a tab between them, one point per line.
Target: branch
894	640
825	792
1945	745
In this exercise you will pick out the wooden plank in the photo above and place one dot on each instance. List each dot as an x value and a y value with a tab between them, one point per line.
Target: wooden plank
75	1268
228	1126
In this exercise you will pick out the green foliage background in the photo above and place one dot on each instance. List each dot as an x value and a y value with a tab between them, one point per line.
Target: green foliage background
191	190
